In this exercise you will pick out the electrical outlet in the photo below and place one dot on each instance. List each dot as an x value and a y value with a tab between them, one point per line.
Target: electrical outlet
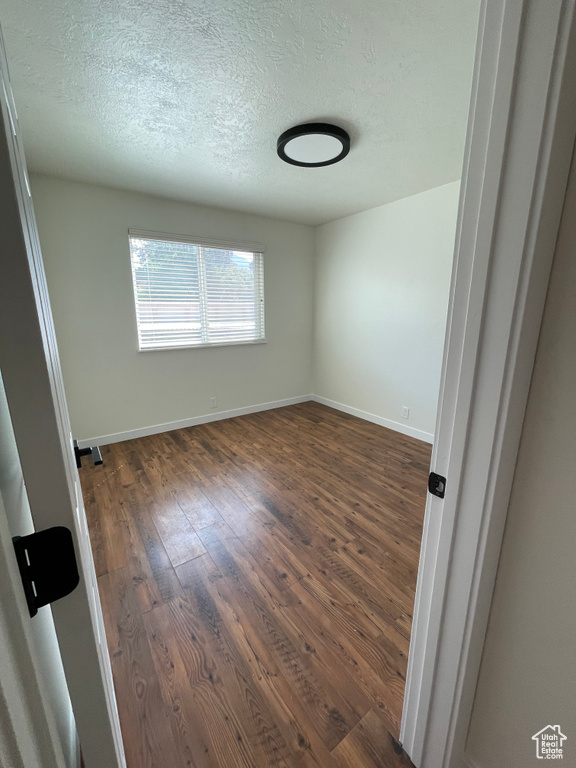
405	412
213	403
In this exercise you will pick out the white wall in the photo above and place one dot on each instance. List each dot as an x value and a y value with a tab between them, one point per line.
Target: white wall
110	386
369	337
382	280
33	642
528	674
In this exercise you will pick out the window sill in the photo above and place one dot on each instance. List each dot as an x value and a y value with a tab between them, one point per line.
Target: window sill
204	346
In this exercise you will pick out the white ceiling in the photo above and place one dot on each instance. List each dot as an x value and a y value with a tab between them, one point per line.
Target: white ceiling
185	98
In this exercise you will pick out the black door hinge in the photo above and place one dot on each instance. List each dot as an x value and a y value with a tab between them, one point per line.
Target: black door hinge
47	564
437	485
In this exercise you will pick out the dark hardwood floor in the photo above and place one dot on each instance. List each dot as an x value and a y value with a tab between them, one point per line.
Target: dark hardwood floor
257	578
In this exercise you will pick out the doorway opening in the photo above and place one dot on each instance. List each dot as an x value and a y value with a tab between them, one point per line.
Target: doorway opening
544	134
292	533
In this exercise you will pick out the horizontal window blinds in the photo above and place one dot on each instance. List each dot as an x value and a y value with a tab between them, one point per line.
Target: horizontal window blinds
224	245
192	294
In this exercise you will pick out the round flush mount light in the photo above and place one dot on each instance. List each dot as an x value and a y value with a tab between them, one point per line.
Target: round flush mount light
313	145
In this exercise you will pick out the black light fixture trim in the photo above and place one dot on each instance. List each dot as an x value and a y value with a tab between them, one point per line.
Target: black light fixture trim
326	129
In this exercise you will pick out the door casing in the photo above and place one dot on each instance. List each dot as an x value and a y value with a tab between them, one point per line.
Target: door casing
34	389
521	133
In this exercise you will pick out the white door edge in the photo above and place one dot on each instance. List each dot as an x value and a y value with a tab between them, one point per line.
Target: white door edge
520	140
35	395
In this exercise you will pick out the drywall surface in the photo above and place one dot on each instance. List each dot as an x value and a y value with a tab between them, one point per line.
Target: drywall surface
382	282
111	387
528	675
39	655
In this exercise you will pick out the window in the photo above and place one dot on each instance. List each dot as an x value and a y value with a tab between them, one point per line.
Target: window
192	292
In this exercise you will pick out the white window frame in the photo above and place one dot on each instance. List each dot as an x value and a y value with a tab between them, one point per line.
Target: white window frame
201	242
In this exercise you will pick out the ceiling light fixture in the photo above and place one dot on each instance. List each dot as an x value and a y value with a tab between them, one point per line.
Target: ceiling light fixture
313	145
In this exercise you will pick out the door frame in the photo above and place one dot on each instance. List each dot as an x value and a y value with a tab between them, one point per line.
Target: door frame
521	133
35	394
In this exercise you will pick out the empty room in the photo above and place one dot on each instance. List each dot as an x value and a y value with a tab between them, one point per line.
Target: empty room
247	215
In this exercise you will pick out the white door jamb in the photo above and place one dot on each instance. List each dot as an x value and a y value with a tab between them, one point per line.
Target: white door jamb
521	135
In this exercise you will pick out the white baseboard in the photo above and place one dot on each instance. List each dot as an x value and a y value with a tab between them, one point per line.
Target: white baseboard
419	434
156	429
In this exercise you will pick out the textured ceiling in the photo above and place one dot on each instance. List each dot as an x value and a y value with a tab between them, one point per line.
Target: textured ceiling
185	98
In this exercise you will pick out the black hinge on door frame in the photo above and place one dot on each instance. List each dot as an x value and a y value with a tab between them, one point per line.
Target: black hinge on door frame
47	564
437	485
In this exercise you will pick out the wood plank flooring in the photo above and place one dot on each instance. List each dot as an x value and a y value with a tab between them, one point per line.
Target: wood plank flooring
257	578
